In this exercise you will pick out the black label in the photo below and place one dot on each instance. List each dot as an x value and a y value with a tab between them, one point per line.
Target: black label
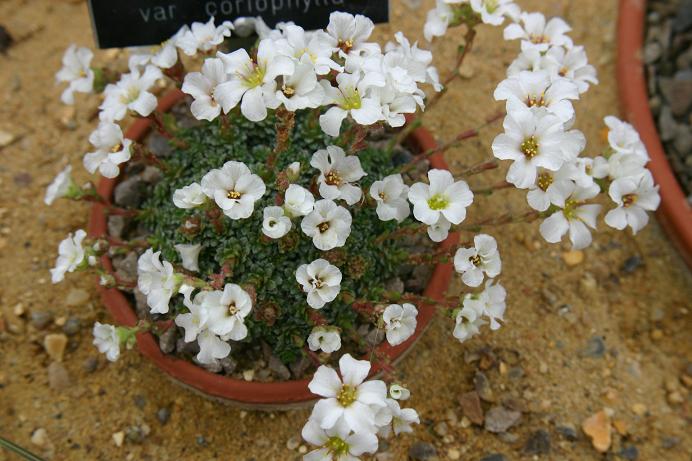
123	23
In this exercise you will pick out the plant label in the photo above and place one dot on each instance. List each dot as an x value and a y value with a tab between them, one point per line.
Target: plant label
123	23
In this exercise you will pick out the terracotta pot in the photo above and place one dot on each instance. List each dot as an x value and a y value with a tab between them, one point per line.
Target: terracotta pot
674	213
257	395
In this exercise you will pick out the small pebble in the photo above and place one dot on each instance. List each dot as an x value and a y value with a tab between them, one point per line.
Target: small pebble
40	437
119	438
422	451
538	443
90	364
163	415
630	453
499	419
54	345
72	326
573	258
293	443
41	319
58	378
76	297
597	427
453	454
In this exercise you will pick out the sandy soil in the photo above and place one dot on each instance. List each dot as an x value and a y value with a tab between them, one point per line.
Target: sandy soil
546	361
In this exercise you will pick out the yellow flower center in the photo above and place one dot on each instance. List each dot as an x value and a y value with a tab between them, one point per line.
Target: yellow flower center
130	95
346	396
538	39
232	309
336	446
255	76
288	91
544	181
438	202
475	260
536	101
117	148
629	200
345	45
351	100
529	147
233	195
332	178
323	227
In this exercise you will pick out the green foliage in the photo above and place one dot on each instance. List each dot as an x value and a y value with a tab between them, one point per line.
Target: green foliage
281	314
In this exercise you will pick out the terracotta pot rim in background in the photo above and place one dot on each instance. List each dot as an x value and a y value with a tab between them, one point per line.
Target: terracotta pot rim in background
256	395
675	213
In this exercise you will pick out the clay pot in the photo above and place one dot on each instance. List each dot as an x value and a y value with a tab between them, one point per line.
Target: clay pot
674	213
256	395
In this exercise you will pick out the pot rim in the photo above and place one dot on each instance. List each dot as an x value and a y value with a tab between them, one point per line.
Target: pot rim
251	394
675	213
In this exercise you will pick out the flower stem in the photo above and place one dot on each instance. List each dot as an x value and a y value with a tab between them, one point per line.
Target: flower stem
16	449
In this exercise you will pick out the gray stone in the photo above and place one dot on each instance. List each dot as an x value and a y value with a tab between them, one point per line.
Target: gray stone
163	415
538	443
278	368
422	451
72	326
126	267
191	348
499	419
568	431
228	364
595	348
494	457
214	367
116	226
167	340
683	17
76	297
41	319
631	264
482	385
395	285
374	337
680	95
90	364
129	193
683	140
136	434
299	367
159	145
652	52
419	278
630	453
667	125
58	378
151	174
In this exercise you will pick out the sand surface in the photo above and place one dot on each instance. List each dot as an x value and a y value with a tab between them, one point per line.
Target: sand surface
555	311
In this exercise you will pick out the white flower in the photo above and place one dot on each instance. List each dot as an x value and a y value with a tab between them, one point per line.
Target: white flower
536	89
535	139
227	310
494	11
572	64
252	83
321	281
203	36
440	230
107	340
351	98
328	224
634	197
401	419
234	189
415	61
157	280
351	400
574	215
70	256
211	347
326	339
549	183
624	139
189	254
400	322
298	201
438	20
300	89
111	150
619	165
530	59
350	33
314	48
275	224
390	194
337	443
443	197
131	92
399	392
163	56
472	263
536	33
468	320
337	172
190	196
202	86
490	303
62	186
76	72
194	321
